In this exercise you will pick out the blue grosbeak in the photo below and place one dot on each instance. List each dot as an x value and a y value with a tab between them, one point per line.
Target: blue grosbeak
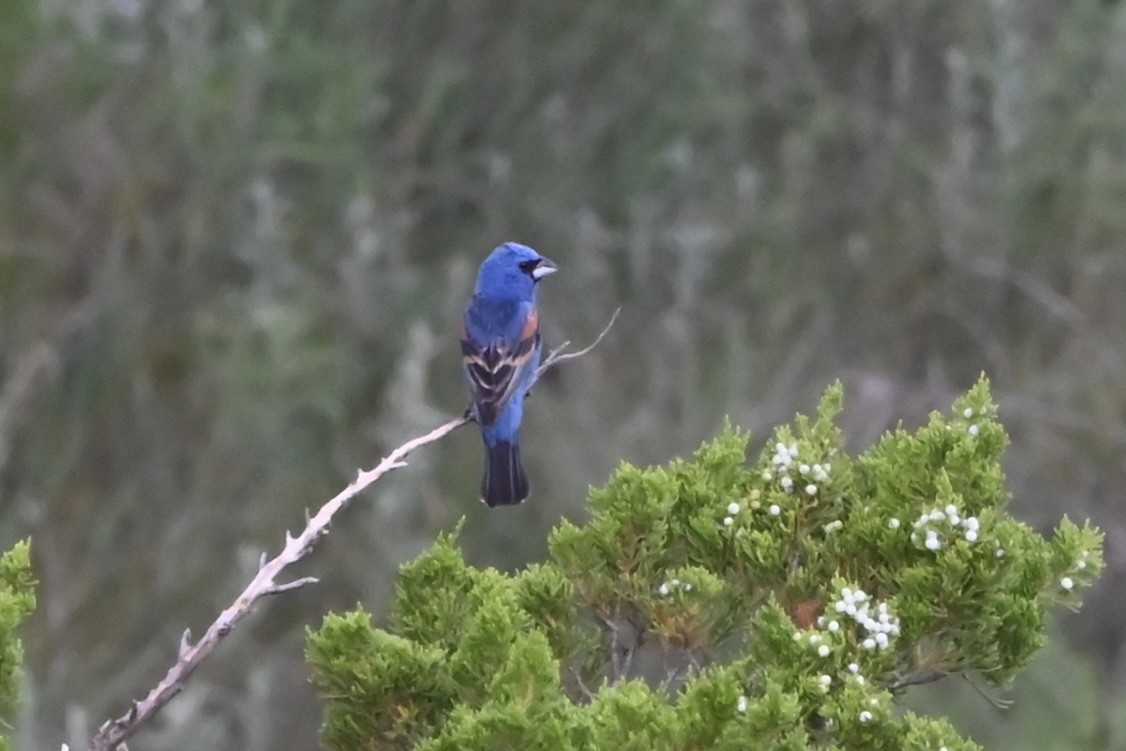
501	349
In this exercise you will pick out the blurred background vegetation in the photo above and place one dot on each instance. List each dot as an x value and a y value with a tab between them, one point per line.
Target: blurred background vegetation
236	240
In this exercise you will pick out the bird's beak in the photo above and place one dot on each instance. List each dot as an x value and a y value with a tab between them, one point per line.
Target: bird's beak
543	268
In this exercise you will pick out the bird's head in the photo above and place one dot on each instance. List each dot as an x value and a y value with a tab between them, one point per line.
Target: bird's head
512	271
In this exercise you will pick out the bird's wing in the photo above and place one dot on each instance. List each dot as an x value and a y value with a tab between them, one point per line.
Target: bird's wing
496	369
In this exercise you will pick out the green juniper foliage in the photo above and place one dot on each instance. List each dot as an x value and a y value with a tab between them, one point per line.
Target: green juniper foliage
719	604
17	599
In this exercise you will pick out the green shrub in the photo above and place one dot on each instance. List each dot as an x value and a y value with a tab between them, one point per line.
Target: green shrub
717	603
17	599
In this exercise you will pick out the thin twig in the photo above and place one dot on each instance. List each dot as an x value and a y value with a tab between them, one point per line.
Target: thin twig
672	677
580	683
615	658
625	638
918	678
114	733
559	354
627	661
296	584
996	701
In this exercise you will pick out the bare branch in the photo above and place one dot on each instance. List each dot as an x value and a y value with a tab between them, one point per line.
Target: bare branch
114	733
185	642
584	690
918	678
559	354
985	693
277	589
625	639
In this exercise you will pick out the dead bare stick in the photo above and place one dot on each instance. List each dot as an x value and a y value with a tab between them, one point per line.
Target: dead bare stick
559	354
115	732
264	583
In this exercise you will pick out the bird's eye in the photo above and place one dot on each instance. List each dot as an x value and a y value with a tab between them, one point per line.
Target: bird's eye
529	266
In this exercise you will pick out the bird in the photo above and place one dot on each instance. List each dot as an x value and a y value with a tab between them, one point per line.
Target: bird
501	350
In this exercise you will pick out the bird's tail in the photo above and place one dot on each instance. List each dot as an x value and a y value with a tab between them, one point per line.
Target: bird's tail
505	483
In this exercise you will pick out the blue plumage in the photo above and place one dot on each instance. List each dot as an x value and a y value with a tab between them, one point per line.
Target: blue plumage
501	350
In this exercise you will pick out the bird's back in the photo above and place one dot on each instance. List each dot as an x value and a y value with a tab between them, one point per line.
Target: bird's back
493	321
